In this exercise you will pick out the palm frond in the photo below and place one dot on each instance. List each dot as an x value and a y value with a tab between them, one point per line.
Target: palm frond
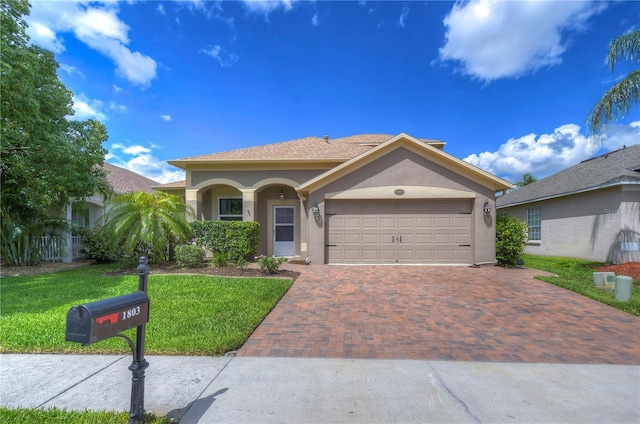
627	46
616	102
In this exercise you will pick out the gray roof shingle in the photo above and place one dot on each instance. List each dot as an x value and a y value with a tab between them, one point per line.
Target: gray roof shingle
122	180
307	148
612	168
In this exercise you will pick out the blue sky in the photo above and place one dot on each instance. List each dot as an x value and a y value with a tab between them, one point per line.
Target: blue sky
507	84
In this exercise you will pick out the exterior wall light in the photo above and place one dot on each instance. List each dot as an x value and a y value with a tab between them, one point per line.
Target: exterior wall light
281	195
487	208
315	210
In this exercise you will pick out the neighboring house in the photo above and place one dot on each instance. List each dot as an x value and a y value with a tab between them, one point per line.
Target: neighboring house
590	210
88	212
364	199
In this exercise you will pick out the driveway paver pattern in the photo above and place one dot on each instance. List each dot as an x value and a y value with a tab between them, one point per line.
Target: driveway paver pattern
442	313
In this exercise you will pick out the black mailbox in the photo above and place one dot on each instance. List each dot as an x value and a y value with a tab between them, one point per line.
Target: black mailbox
99	320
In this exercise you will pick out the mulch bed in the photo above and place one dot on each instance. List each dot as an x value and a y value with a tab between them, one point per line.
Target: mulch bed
630	269
228	271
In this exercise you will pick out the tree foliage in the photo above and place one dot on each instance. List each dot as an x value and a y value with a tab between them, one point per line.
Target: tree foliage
148	224
619	99
46	160
527	179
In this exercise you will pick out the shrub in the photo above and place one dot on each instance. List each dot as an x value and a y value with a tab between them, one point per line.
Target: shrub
242	263
94	246
220	259
238	239
189	256
511	238
271	264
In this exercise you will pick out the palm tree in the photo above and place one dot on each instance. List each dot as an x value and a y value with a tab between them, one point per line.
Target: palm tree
618	100
147	223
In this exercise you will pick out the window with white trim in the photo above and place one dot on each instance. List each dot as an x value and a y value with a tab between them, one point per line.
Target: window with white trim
534	222
230	209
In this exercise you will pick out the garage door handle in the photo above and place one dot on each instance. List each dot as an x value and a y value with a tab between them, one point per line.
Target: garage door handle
400	239
464	245
330	245
393	239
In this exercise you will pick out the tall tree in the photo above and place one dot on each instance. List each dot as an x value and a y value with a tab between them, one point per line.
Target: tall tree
617	101
147	223
46	160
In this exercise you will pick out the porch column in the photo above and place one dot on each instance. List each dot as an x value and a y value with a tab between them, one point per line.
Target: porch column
248	204
68	237
193	198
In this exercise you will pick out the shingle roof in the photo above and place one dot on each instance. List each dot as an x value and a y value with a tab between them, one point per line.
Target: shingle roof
307	148
122	180
617	167
175	184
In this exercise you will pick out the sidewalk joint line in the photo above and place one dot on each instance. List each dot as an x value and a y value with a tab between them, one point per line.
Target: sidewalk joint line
81	381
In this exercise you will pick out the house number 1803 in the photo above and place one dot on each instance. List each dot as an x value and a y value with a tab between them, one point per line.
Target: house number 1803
130	313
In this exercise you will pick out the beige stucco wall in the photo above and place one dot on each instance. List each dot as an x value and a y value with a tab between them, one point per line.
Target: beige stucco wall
404	168
585	225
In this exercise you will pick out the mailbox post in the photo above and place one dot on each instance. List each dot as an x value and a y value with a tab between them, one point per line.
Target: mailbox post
139	364
96	321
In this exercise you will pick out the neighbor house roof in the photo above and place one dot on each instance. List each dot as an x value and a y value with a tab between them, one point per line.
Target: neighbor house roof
122	180
615	168
302	149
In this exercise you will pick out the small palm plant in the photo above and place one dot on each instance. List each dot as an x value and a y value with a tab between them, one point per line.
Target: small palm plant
147	223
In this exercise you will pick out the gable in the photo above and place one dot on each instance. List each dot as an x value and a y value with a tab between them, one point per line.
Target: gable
404	158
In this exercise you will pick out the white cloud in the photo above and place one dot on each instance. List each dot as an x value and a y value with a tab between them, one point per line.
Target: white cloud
86	108
140	159
116	88
268	6
117	107
165	117
315	20
223	57
492	39
96	24
160	9
403	16
136	150
547	154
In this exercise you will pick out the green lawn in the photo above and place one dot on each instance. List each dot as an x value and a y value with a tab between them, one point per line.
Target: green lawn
54	415
189	314
577	275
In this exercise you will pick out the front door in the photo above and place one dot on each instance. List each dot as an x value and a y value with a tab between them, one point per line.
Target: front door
284	231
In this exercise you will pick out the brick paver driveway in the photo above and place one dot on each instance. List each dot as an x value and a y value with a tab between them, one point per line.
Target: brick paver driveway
442	313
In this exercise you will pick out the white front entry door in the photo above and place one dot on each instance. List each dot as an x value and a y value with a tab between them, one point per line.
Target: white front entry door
284	231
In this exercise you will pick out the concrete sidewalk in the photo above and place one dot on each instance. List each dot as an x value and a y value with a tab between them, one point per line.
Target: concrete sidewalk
296	390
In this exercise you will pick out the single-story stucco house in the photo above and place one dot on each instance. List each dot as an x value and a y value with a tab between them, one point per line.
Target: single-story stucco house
590	210
363	199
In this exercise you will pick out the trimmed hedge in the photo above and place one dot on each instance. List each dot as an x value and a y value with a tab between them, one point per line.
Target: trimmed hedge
511	239
188	255
239	239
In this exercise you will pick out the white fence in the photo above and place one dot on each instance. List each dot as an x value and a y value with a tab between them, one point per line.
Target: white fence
54	248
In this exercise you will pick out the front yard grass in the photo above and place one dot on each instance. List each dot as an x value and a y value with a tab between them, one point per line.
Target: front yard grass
189	314
55	415
577	275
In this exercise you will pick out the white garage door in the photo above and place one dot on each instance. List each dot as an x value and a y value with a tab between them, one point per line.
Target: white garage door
412	232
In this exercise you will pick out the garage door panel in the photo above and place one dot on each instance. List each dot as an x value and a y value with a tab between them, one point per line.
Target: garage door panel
442	239
398	232
352	239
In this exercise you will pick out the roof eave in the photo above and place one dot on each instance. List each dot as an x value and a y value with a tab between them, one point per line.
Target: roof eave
569	193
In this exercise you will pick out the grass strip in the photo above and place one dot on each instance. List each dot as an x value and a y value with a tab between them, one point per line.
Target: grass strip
577	275
55	415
